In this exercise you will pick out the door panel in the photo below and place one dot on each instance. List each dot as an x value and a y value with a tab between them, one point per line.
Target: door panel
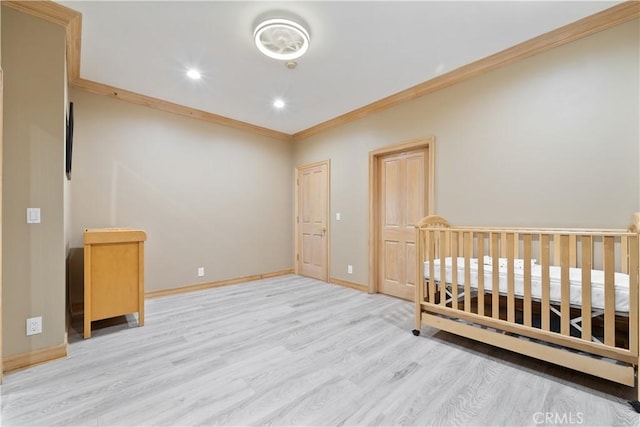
410	263
415	189
403	202
392	254
391	201
313	202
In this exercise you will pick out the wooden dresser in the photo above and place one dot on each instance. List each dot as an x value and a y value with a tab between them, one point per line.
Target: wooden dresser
113	274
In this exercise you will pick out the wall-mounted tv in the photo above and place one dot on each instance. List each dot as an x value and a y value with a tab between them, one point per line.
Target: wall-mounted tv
69	140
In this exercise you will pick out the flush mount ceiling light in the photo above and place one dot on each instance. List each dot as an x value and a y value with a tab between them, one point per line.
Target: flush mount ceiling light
281	39
193	74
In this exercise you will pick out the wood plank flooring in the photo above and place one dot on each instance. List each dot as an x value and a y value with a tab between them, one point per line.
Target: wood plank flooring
296	351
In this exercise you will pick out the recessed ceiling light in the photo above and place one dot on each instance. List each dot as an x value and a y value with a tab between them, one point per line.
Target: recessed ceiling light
279	103
281	39
193	74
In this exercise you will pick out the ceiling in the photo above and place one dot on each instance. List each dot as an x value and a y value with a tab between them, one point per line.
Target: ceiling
361	51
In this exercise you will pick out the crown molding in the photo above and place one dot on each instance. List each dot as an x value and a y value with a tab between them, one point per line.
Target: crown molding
71	20
57	14
608	18
159	104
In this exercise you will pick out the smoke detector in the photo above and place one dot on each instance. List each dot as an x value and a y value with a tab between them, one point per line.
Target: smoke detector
281	39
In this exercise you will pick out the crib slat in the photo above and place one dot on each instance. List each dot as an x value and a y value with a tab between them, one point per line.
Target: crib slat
480	237
586	265
564	285
444	238
419	298
495	285
468	253
544	262
431	251
624	255
633	293
526	240
454	269
511	299
573	245
609	292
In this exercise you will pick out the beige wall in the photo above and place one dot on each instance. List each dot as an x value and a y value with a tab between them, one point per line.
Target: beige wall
33	254
207	196
548	141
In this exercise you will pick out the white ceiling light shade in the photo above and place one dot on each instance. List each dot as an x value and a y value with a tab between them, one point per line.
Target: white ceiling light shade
193	74
282	39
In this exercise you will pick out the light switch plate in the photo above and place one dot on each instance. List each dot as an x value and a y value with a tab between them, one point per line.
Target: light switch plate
33	215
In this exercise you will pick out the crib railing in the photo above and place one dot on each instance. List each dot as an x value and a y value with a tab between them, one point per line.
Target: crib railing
616	333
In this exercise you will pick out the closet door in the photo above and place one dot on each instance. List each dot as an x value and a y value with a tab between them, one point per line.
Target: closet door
312	220
403	203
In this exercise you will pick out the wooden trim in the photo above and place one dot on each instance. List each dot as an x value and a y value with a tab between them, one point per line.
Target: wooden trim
72	21
599	368
74	48
217	284
170	107
348	284
373	221
57	14
429	144
608	18
36	357
1	174
296	224
47	10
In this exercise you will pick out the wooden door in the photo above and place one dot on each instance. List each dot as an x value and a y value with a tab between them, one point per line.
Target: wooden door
403	202
312	219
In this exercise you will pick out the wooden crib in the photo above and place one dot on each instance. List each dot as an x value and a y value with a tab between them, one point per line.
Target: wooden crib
557	290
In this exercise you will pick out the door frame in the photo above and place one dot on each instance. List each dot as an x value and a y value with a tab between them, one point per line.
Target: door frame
296	215
374	195
1	173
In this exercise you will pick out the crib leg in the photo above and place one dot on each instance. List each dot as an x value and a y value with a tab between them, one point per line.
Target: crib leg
418	316
636	403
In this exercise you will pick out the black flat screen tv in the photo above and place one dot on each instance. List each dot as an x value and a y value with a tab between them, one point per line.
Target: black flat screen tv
69	141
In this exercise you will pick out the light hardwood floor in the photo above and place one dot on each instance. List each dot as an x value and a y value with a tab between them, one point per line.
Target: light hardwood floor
296	351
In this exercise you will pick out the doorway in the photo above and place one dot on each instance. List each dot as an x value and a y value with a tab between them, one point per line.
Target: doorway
312	225
401	193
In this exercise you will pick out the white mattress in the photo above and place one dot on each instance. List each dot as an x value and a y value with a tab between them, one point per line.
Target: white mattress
575	280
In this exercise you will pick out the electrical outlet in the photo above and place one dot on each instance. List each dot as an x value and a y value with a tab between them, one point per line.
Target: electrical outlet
200	271
34	325
350	269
